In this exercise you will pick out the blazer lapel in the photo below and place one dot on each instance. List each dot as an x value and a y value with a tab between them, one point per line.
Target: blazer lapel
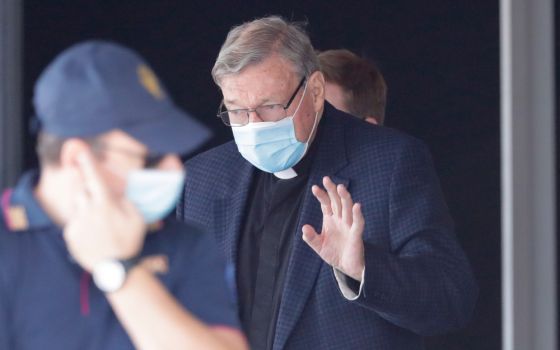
305	264
230	209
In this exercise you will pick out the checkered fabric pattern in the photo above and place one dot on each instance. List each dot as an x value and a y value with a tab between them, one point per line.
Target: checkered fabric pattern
418	281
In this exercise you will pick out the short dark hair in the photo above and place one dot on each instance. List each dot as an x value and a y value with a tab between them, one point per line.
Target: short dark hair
360	78
50	146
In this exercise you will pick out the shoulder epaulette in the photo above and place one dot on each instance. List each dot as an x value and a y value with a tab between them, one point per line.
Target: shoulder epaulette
15	217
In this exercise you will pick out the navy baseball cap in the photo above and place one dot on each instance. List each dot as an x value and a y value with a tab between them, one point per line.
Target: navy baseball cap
97	86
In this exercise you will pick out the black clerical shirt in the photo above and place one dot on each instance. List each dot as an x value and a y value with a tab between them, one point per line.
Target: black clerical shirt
265	245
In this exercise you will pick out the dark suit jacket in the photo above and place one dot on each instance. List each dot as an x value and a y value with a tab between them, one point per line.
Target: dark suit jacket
417	279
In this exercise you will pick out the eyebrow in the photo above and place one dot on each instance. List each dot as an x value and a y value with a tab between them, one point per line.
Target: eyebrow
261	103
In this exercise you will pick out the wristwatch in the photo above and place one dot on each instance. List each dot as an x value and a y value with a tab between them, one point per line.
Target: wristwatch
109	275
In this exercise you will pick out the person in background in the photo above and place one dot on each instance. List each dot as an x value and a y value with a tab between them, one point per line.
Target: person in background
87	260
338	233
354	85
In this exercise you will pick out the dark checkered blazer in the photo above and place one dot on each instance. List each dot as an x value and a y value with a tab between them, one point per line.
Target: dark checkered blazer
417	279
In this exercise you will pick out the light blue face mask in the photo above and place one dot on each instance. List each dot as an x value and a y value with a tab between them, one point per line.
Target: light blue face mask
272	146
154	192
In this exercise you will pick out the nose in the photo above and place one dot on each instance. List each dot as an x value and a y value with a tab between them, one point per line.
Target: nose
170	162
253	116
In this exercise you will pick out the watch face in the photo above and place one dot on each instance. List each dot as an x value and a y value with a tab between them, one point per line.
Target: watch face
109	275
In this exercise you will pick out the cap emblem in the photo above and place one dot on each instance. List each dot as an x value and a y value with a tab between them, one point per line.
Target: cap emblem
150	82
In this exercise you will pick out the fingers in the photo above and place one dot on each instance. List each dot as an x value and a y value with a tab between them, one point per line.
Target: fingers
333	195
128	208
346	200
92	179
324	199
358	220
336	200
330	200
312	238
81	201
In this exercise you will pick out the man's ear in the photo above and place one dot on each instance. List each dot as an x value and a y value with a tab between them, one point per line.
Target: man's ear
371	120
317	85
71	150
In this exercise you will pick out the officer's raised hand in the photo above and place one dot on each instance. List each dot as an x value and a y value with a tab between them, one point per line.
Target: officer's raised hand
104	226
340	242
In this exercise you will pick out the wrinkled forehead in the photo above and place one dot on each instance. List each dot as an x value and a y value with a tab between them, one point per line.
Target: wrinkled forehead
267	81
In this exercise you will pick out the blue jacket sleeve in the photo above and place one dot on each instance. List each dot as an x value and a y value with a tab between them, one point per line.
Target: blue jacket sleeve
424	283
5	325
204	287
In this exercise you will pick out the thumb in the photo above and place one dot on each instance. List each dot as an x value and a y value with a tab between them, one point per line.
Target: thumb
312	238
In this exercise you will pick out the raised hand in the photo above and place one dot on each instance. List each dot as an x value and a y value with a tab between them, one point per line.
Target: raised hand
340	243
103	227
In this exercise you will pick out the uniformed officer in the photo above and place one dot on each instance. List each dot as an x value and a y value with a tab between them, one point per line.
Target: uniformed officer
109	174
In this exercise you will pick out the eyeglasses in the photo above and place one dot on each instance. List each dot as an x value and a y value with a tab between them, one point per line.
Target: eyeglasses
150	160
269	113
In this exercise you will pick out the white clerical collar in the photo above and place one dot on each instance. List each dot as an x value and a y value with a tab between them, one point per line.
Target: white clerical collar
287	174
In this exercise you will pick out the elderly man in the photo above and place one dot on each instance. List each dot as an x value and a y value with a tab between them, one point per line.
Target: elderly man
110	172
354	85
369	261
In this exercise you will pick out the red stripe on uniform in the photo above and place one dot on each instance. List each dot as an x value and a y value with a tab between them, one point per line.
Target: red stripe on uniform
6	205
84	293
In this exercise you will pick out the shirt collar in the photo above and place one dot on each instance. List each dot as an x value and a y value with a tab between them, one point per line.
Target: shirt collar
24	207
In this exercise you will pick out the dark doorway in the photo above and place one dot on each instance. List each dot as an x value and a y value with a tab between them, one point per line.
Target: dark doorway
440	60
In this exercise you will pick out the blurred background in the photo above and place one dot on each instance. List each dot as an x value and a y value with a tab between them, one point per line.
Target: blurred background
440	60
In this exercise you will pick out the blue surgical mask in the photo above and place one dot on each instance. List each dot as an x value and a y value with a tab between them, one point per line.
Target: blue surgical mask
154	192
272	146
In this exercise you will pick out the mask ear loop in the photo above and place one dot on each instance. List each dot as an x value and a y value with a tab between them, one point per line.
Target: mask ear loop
314	120
312	131
300	100
290	173
309	137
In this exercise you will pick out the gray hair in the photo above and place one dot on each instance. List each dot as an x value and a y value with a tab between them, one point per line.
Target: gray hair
252	42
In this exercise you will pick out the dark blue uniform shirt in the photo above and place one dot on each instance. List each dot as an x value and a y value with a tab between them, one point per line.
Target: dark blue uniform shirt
48	302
